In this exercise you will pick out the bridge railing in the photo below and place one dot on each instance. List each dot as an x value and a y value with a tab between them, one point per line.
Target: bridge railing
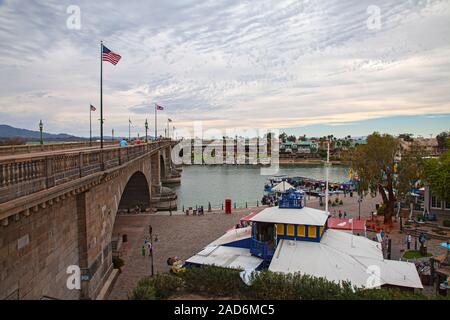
32	148
26	175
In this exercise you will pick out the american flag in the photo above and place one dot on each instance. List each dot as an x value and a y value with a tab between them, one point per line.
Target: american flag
93	108
170	120
108	55
158	107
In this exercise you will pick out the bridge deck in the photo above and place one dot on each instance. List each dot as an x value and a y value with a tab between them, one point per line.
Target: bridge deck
24	174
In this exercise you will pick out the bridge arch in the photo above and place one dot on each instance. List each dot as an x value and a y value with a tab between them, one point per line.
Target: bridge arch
135	193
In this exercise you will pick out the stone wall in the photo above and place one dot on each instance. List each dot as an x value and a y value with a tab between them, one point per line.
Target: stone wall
35	252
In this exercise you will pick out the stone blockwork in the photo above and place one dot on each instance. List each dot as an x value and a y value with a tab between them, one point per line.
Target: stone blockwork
42	234
35	252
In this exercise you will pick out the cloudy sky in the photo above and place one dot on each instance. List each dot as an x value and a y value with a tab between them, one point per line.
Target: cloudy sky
311	66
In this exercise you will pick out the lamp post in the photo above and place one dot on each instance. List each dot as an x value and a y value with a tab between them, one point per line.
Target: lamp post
146	130
41	126
150	231
112	135
359	207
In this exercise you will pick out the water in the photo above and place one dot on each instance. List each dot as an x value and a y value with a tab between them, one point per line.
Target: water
203	184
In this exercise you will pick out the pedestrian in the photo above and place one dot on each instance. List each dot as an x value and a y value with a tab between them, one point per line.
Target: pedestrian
143	250
382	233
123	143
345	214
340	214
408	241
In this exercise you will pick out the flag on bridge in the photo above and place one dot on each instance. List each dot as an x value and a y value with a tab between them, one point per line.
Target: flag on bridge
108	55
170	120
93	108
158	107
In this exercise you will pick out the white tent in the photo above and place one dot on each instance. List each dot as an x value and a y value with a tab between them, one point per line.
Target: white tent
305	215
344	257
226	257
283	186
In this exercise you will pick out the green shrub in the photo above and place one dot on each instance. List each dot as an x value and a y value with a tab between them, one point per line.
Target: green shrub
144	290
266	285
117	262
160	286
213	280
446	223
341	202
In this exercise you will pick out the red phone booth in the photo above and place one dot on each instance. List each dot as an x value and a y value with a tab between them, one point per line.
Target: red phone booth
228	206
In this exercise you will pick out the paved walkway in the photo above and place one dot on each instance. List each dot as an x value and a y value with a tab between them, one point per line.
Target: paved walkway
178	235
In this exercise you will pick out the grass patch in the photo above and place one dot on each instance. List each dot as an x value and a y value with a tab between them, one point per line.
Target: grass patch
413	254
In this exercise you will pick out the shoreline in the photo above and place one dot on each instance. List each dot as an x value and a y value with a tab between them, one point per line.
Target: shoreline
313	162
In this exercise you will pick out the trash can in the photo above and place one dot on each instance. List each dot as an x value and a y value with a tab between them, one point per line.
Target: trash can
228	206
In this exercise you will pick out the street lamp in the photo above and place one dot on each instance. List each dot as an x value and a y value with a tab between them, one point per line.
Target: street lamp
359	207
41	126
146	130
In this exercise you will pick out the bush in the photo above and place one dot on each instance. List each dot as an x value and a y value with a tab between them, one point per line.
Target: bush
341	202
446	223
266	285
117	262
160	286
144	290
213	280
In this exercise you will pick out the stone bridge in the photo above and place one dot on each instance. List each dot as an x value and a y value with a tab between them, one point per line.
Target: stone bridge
58	206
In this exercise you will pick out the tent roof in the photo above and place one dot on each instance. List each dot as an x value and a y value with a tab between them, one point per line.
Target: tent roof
305	215
346	224
282	187
340	257
226	257
232	236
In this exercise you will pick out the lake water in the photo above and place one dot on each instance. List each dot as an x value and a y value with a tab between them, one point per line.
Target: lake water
203	184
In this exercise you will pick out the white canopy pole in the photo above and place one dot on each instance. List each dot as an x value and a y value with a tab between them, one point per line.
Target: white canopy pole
326	178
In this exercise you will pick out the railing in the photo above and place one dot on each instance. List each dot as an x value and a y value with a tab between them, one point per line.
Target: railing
26	175
32	148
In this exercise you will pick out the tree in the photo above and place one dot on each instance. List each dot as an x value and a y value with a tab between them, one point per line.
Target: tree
374	162
406	137
437	175
291	138
442	140
409	170
282	137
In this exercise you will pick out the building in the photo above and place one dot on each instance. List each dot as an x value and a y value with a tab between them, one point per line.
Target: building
293	238
434	205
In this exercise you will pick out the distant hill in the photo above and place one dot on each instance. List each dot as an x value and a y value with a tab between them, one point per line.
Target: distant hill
7	132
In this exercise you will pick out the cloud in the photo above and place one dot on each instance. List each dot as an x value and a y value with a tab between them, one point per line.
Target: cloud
227	63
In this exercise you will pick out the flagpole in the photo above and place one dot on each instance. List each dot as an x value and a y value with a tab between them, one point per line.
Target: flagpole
101	95
156	124
90	125
129	129
168	131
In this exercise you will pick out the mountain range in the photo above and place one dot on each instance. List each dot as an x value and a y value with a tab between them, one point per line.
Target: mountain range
7	132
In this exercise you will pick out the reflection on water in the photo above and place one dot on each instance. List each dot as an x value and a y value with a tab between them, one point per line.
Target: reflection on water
203	184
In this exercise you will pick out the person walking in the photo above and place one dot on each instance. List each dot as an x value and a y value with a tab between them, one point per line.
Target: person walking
408	241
